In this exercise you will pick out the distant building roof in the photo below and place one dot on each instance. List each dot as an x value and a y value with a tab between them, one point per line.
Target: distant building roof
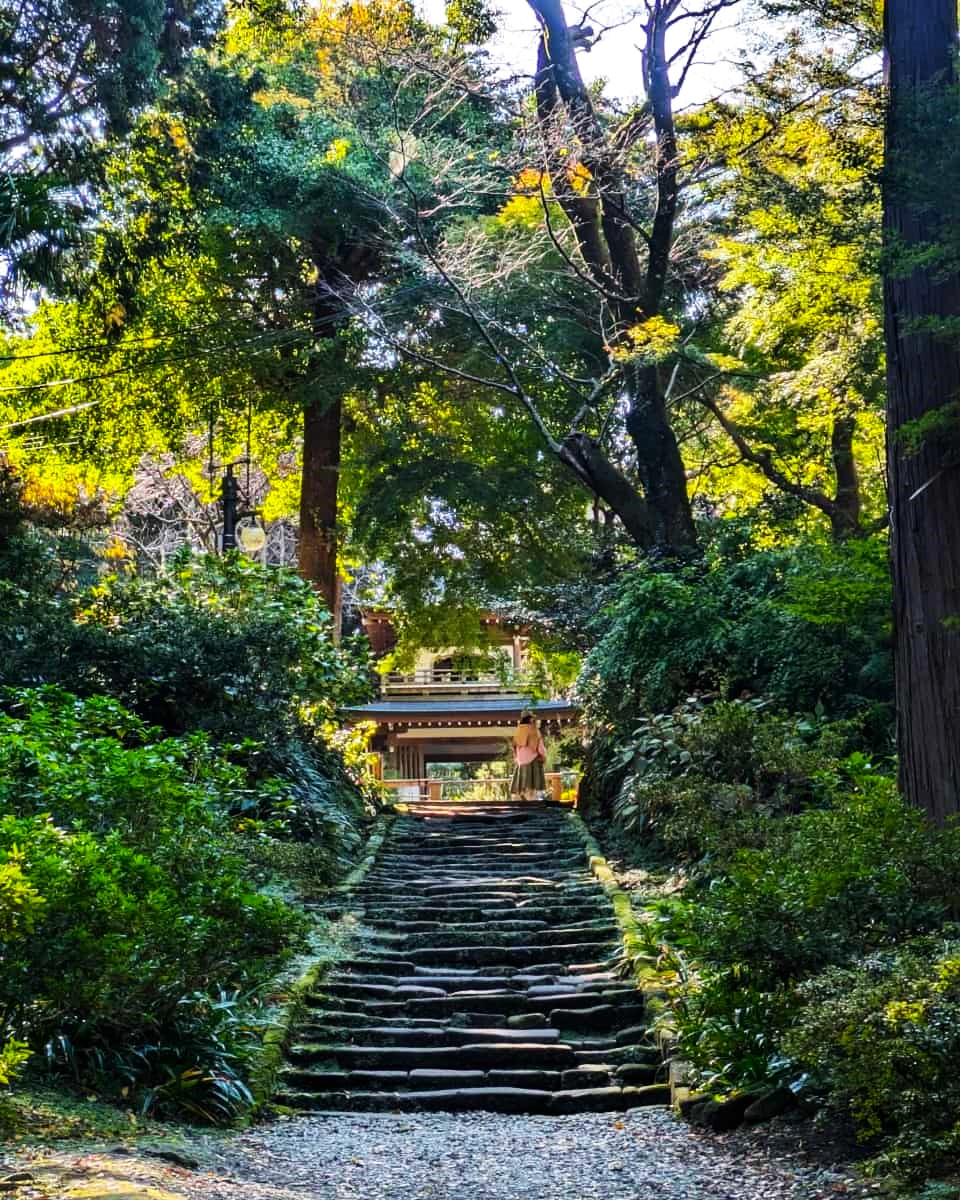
482	706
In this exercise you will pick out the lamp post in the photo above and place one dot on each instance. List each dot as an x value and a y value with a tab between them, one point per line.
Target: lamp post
230	495
250	538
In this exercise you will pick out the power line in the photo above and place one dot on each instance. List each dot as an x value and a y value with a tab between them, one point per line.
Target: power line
284	339
60	412
114	347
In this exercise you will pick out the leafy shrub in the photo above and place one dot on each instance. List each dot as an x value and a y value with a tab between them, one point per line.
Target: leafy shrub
218	644
804	626
20	903
881	1040
828	886
198	723
238	651
706	778
144	909
91	763
740	716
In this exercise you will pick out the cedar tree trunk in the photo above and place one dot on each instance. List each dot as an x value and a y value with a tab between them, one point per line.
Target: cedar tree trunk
923	376
317	545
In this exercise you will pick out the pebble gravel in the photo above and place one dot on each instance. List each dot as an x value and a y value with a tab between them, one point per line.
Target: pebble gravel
643	1154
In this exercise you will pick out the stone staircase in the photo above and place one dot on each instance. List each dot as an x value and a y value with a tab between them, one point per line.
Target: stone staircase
482	978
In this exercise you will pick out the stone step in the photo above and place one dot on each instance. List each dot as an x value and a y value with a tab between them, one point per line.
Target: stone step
483	1099
293	1079
507	955
482	978
447	1035
598	1019
321	1013
476	1055
467	913
549	908
482	891
443	847
455	937
515	861
637	1054
504	923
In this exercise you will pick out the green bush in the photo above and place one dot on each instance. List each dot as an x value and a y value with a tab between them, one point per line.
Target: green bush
221	645
805	627
827	887
830	884
20	903
881	1040
739	710
218	644
198	724
146	914
699	782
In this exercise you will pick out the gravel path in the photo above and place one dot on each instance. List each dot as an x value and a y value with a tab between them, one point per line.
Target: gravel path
643	1154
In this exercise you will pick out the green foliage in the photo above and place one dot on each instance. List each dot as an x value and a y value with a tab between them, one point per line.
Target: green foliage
19	899
776	946
140	968
146	913
937	431
794	342
881	1039
13	1054
455	497
471	20
827	884
76	73
809	946
220	644
20	903
701	781
224	646
802	625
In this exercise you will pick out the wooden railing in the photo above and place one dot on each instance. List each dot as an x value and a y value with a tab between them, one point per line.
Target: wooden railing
451	790
444	681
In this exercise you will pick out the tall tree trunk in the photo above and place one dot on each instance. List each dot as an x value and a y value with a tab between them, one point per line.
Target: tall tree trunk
607	240
923	375
318	542
845	513
659	463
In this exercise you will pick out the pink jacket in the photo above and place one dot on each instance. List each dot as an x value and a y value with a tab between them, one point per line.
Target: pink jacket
526	754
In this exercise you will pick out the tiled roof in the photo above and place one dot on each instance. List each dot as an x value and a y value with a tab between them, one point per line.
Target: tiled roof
440	706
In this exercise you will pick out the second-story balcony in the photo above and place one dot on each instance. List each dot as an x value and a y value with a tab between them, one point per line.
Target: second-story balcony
447	682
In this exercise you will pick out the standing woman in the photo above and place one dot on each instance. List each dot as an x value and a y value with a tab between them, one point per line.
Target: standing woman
529	753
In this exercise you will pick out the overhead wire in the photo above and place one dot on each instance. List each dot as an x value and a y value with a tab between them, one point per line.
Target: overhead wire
279	339
111	347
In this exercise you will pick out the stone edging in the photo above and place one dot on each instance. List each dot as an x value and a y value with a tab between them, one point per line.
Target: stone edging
622	907
646	977
267	1059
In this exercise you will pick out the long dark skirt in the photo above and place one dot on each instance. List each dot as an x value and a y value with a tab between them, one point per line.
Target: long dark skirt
528	778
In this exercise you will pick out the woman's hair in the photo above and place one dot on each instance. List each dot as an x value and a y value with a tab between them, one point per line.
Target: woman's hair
527	733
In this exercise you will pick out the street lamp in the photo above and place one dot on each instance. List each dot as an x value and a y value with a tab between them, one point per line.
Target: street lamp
252	538
230	495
